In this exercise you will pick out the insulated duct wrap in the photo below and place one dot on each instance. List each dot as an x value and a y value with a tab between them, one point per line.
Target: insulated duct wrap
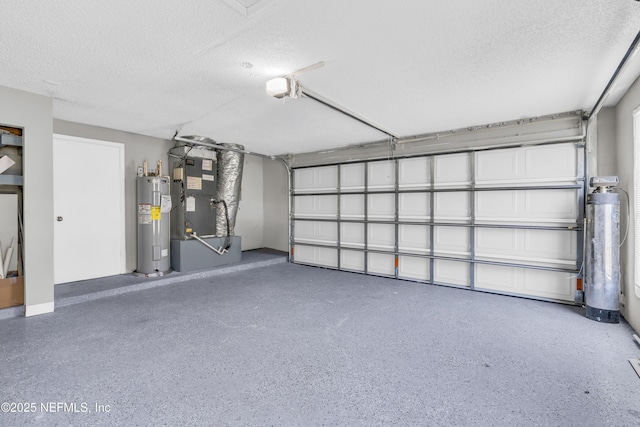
229	181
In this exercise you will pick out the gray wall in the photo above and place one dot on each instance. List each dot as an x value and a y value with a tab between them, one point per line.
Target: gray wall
606	152
139	148
624	148
34	114
276	206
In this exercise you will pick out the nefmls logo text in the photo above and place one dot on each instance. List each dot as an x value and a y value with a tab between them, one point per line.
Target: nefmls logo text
72	407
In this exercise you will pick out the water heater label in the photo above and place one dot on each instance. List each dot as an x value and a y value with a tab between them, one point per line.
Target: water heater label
165	204
165	253
144	213
155	213
194	183
207	164
206	177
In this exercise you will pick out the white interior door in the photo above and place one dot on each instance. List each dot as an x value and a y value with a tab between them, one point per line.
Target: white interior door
88	191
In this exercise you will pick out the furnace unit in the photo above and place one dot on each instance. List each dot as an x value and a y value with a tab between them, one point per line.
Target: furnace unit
194	188
205	190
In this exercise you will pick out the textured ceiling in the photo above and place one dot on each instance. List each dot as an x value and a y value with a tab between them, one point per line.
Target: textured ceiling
411	66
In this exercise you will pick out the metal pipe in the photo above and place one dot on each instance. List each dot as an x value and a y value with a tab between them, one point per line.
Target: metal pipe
346	113
219	251
223	147
625	59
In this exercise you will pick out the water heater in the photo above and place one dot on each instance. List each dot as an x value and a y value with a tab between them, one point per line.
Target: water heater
602	274
154	208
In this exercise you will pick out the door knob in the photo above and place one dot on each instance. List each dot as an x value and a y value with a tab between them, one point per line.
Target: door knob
59	219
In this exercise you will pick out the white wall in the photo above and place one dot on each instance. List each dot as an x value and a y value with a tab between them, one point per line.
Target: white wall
276	206
250	219
34	114
616	136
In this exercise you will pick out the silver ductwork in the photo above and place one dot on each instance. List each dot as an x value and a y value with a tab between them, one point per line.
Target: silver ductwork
230	165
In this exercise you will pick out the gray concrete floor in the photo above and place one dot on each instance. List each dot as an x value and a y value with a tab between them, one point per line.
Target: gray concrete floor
295	345
86	290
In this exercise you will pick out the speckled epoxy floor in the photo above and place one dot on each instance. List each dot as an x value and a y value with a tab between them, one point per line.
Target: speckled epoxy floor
296	345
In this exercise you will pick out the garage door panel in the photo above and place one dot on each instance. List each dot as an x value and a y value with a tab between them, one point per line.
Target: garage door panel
352	235
552	285
496	278
352	260
414	239
498	242
527	166
532	207
451	241
325	257
414	173
316	206
305	254
452	170
381	237
554	205
549	244
352	177
316	232
533	247
413	207
452	206
352	206
316	179
556	163
498	166
381	175
497	205
382	206
451	272
382	264
413	268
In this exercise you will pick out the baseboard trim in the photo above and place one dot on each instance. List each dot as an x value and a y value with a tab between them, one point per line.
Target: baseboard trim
37	309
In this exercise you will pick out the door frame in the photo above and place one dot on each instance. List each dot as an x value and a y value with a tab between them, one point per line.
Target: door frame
121	186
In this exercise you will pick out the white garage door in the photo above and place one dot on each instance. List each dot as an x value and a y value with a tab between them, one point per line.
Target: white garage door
501	220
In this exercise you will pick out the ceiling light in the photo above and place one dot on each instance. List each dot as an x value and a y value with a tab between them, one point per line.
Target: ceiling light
279	87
